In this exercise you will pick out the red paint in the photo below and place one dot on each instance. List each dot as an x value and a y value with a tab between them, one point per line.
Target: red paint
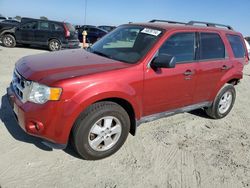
87	78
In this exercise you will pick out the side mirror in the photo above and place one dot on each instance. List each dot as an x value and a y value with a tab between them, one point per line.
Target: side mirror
164	61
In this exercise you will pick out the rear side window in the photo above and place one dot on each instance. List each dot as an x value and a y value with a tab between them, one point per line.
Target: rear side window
70	27
44	26
181	46
56	27
237	46
211	46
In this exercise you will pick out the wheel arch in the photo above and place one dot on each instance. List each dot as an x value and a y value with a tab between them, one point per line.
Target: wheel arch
234	80
7	33
124	103
129	109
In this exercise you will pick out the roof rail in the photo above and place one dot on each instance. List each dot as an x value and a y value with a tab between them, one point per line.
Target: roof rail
167	21
208	24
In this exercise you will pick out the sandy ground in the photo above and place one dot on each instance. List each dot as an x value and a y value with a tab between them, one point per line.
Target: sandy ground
186	150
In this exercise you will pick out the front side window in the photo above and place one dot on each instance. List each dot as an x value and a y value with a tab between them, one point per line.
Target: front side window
127	43
237	46
211	46
29	25
56	27
180	45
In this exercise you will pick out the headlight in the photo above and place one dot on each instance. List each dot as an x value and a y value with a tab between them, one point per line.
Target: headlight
41	94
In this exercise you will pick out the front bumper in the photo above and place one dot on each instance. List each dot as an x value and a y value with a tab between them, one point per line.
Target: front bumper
40	120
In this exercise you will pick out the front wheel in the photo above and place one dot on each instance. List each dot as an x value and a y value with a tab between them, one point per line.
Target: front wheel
223	102
9	41
100	131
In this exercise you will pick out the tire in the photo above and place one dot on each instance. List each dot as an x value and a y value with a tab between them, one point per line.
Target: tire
100	130
54	45
9	41
223	102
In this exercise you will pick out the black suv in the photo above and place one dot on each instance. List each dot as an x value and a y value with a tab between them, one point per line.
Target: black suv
93	33
55	35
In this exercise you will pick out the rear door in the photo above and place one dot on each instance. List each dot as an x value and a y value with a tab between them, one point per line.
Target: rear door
171	88
43	33
213	64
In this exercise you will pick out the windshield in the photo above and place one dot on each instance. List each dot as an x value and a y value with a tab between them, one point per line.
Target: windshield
126	43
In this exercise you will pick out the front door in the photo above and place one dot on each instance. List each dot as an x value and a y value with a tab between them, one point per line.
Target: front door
25	33
43	33
171	88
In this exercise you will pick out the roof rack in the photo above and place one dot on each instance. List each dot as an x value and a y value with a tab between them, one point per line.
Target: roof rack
167	21
208	24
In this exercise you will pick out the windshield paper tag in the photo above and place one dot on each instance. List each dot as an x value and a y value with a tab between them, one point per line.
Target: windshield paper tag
151	31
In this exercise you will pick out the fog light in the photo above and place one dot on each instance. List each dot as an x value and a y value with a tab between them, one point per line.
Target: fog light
35	127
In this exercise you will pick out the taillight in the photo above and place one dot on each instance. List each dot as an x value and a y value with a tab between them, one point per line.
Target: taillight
67	32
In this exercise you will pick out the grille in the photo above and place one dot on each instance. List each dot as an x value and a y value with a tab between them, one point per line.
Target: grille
20	86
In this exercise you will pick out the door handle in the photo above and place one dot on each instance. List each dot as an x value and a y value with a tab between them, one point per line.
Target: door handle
188	73
224	67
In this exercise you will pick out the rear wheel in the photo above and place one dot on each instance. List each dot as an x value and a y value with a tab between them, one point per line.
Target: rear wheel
9	41
100	131
54	45
223	102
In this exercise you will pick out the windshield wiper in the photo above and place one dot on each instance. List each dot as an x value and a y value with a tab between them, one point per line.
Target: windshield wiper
101	54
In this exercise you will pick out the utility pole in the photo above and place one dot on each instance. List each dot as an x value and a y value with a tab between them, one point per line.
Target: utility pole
85	13
84	33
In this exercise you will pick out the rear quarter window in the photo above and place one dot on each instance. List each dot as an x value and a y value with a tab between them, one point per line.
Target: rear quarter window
70	27
236	45
211	46
44	26
56	27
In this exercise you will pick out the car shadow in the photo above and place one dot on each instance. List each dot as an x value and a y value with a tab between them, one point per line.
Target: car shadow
8	118
70	150
29	47
200	113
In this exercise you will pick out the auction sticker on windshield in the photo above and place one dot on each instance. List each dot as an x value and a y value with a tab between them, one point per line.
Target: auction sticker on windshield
151	31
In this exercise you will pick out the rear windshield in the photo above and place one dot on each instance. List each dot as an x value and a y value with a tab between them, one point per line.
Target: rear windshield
237	45
70	27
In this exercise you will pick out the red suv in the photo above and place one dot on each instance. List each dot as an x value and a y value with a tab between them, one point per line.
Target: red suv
135	74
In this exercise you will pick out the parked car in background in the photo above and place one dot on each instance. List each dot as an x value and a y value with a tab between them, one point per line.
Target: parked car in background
107	27
2	18
93	33
53	34
247	42
15	22
5	25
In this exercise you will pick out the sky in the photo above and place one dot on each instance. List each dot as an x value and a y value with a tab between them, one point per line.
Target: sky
117	12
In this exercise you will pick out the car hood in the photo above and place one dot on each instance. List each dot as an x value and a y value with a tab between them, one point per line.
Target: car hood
48	68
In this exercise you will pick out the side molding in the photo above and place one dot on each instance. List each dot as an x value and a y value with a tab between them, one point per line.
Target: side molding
172	112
